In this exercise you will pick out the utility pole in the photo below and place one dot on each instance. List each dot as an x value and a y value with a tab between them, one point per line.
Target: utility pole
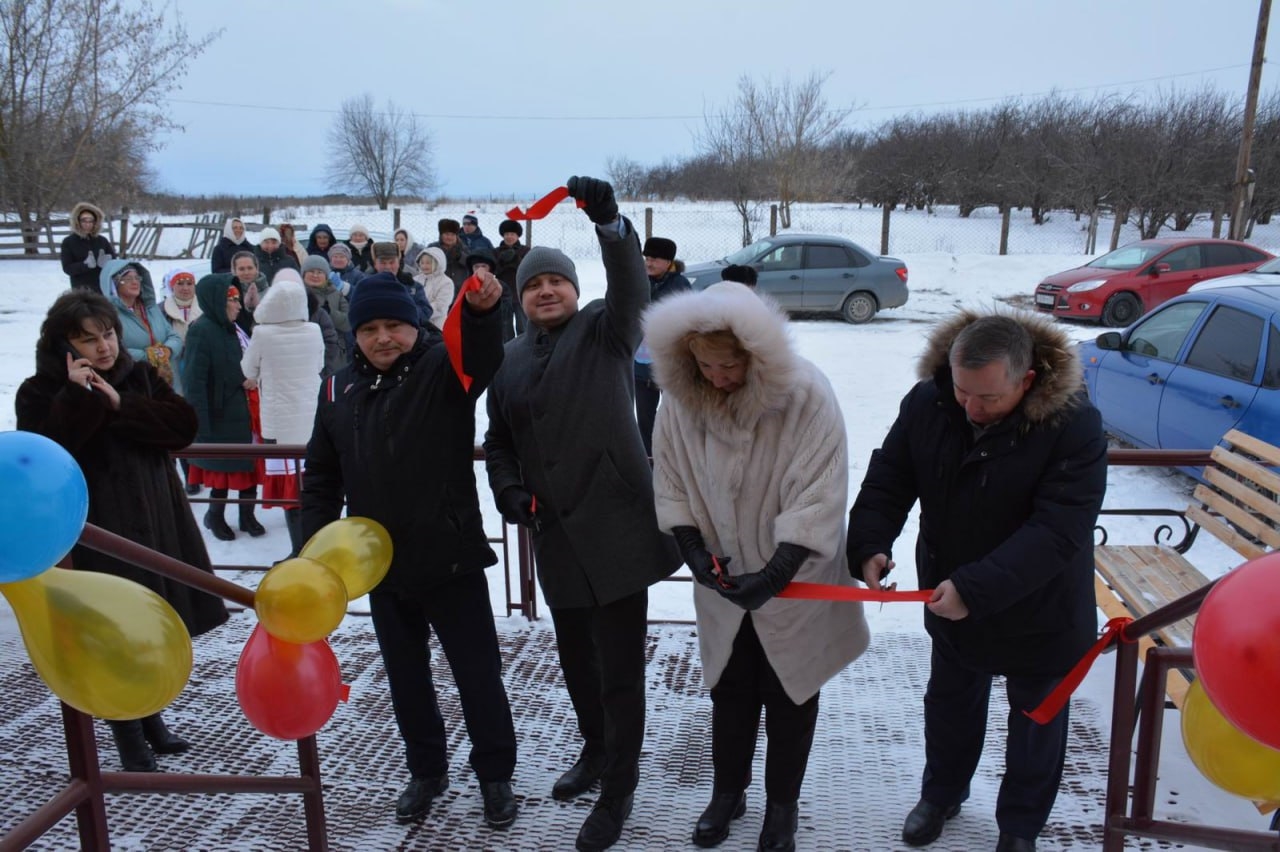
1242	185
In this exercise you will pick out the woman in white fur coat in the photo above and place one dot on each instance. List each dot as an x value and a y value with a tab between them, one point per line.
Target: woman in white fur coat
285	357
751	464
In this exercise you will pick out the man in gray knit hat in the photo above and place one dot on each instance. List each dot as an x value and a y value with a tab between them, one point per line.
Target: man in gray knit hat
565	458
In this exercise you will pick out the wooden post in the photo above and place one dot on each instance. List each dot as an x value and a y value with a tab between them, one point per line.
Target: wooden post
528	233
1004	229
773	220
266	216
1091	236
1122	216
395	218
124	232
648	222
1217	221
884	228
1240	188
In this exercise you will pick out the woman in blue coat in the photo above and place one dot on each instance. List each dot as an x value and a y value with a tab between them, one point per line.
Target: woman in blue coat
147	334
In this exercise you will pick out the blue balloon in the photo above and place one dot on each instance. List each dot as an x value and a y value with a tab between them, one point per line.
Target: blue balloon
44	502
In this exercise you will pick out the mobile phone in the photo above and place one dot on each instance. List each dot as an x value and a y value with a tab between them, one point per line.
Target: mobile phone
75	356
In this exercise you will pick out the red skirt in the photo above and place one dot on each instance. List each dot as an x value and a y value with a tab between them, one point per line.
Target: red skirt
236	480
281	483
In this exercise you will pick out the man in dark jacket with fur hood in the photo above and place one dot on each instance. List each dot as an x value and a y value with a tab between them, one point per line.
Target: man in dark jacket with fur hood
368	443
565	458
85	250
1007	458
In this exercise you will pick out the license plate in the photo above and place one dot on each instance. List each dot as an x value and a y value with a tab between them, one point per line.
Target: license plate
1044	299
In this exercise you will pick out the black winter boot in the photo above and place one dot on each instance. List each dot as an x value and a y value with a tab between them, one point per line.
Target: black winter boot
248	523
215	517
135	754
161	739
293	522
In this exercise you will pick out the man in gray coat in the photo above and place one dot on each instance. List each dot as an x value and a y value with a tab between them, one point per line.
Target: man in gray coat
565	458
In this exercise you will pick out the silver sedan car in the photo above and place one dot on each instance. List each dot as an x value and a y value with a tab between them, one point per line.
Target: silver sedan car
815	273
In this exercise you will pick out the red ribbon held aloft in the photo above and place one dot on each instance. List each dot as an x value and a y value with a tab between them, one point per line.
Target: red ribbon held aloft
540	208
1056	700
826	592
453	331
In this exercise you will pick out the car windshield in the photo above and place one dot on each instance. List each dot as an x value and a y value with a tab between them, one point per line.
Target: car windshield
751	252
1271	267
1129	257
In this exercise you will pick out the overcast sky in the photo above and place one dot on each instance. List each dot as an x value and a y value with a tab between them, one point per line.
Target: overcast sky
521	95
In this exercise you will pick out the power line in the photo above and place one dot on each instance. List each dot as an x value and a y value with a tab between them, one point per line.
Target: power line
489	117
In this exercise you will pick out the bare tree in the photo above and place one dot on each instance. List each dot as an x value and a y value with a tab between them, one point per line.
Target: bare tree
82	86
626	175
731	140
380	153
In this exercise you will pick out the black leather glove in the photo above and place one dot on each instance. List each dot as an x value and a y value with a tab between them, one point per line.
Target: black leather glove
752	591
516	506
597	197
695	554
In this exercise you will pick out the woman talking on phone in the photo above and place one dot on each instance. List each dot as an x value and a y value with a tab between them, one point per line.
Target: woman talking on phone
119	420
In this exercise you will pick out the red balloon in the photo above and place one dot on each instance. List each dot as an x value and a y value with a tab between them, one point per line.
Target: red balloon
1236	646
287	691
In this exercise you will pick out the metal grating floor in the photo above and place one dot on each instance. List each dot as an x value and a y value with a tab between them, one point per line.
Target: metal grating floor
862	778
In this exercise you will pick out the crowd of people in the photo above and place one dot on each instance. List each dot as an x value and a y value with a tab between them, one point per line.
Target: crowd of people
655	427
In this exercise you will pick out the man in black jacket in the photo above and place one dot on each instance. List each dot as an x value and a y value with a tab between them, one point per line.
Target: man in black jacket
1008	461
394	432
565	458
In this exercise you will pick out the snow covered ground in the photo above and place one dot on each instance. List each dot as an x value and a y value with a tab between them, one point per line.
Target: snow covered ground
871	367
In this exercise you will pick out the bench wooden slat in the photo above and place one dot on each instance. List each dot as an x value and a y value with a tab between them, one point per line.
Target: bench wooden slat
1254	447
1259	506
1236	514
1247	469
1214	526
1146	578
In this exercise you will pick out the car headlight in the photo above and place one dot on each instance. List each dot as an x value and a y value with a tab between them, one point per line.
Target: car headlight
1086	286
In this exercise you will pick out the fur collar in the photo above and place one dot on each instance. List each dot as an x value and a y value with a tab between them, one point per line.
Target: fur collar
755	320
1059	376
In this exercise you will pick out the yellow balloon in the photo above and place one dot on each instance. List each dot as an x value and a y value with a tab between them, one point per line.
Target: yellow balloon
300	601
1227	756
358	549
105	645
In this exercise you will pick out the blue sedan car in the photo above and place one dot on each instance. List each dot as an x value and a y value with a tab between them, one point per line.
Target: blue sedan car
1190	370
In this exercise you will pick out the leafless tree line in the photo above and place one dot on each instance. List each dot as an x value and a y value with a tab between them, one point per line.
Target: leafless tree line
1163	160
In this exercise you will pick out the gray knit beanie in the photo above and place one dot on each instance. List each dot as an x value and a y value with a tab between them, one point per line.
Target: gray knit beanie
315	261
542	259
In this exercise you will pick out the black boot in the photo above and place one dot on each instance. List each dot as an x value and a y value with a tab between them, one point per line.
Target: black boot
161	739
780	823
293	522
135	754
215	518
713	826
248	523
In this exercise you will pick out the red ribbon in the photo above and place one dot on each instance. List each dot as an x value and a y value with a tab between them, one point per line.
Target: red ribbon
453	331
826	592
540	208
1056	700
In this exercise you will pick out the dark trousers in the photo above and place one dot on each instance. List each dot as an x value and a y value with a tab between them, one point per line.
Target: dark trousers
748	685
647	398
955	725
602	655
460	613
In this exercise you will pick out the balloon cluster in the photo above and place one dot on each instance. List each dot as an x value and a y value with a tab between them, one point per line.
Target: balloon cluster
104	645
1229	723
287	680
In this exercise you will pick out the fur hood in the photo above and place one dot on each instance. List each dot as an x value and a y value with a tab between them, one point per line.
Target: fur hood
286	301
1059	376
758	323
86	207
147	294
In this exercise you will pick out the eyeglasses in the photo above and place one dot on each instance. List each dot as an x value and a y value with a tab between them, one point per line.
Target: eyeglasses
129	276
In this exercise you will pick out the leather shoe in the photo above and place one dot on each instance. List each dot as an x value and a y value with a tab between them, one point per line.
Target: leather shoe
603	826
499	803
417	797
924	823
713	826
780	823
1009	843
579	778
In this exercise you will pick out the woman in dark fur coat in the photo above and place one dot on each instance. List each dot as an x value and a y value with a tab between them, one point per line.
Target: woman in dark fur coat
120	420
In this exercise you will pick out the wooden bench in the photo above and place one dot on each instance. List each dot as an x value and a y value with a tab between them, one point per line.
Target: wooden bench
1237	504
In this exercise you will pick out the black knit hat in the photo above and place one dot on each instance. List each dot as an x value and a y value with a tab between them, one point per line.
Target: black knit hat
481	256
511	226
659	247
470	218
742	274
449	226
381	296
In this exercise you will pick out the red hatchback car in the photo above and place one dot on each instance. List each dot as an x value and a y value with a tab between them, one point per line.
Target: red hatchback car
1122	285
